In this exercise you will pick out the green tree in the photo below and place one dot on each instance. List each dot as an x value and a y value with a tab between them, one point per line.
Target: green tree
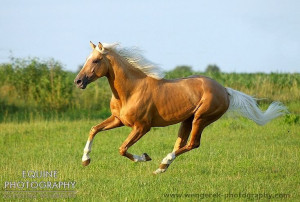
180	71
212	68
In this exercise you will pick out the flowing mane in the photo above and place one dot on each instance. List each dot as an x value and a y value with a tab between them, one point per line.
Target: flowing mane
137	60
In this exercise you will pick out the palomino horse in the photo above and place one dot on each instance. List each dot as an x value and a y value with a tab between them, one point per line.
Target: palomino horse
142	99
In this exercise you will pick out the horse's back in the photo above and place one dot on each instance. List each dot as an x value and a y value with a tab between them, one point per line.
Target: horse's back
179	99
196	87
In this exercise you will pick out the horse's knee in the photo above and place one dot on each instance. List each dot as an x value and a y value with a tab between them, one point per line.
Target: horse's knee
193	146
93	130
122	151
189	147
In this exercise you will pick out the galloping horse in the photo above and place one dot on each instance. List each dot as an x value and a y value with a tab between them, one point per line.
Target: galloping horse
142	99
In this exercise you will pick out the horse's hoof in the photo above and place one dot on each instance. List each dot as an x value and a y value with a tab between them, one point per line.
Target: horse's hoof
86	162
159	170
147	157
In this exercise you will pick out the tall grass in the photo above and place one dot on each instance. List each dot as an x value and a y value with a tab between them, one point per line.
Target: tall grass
35	89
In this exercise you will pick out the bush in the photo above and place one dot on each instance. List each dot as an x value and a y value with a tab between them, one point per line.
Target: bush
43	89
212	69
179	72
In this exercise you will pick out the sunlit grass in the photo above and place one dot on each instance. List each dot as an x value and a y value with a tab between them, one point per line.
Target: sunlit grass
235	156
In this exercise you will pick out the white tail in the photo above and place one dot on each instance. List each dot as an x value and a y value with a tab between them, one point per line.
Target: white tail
247	106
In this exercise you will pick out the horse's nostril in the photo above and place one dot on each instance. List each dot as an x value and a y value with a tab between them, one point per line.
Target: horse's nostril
78	81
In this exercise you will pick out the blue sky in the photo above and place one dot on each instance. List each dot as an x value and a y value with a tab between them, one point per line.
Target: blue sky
238	36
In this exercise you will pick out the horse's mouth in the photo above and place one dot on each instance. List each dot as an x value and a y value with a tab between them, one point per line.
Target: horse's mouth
82	83
82	86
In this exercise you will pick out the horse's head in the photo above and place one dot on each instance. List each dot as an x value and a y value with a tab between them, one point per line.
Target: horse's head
96	66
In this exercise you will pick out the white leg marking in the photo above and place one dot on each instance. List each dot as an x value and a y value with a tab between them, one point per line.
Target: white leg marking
139	158
169	158
87	150
167	161
159	170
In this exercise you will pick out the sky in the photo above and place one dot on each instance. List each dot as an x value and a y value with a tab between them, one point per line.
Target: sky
238	36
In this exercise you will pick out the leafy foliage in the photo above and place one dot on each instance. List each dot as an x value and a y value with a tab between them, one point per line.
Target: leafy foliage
180	71
212	69
35	84
31	88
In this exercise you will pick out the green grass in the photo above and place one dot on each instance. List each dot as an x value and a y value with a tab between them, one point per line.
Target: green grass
236	156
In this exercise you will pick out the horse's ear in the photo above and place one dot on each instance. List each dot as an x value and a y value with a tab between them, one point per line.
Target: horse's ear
93	46
100	46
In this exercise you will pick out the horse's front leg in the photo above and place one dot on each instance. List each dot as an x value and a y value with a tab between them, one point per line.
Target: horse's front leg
110	123
137	132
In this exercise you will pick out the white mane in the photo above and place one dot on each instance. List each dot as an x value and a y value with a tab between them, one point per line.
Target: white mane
137	60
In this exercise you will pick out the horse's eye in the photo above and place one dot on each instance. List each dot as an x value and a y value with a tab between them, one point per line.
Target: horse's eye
96	61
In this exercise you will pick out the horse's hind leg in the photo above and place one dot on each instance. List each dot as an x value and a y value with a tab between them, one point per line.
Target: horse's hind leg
183	136
183	133
202	118
197	128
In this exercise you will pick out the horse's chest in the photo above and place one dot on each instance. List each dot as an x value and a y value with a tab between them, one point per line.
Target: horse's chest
136	109
128	116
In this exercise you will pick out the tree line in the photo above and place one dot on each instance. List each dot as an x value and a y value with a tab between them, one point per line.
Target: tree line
31	88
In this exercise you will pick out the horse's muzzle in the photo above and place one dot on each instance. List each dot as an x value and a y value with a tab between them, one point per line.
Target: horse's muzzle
81	82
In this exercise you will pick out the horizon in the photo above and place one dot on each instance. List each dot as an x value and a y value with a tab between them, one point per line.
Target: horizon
45	60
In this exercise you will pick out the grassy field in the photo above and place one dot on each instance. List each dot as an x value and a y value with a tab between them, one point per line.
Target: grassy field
44	125
237	160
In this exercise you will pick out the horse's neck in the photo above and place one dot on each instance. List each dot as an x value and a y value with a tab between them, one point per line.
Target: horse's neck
123	79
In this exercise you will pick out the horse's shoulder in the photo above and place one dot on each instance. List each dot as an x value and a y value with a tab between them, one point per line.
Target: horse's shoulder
115	105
